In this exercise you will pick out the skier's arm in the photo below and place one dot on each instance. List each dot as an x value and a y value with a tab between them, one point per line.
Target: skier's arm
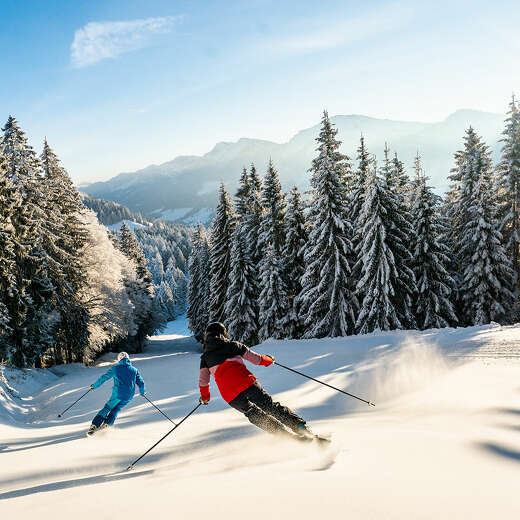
140	383
204	376
254	357
109	374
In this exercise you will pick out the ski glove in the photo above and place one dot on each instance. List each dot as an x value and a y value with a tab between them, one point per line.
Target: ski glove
204	394
267	360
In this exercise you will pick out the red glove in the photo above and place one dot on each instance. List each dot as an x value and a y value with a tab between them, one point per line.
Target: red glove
204	394
267	360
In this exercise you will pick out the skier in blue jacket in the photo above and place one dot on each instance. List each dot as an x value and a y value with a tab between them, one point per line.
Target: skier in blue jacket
125	378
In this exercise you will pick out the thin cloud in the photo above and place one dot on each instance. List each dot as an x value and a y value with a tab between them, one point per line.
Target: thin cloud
98	41
311	37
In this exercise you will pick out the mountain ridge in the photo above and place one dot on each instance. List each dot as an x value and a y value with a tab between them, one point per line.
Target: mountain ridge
192	181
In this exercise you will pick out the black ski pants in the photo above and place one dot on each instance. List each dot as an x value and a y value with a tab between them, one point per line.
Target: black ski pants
258	406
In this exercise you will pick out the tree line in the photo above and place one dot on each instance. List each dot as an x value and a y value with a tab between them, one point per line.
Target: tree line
69	289
166	247
368	248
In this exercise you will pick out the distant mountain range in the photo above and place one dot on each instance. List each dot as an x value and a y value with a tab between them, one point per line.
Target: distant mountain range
185	189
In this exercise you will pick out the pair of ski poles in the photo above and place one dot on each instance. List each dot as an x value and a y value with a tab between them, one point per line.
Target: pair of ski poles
199	404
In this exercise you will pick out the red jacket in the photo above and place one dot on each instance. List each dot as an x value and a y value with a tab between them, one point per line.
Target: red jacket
224	359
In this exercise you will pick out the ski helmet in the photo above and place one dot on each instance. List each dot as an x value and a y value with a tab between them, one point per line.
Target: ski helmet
122	355
217	328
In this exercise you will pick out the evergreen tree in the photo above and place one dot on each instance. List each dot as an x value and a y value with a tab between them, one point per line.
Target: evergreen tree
272	230
508	172
400	182
26	301
242	306
293	260
433	306
386	282
327	300
357	192
487	279
156	268
253	219
10	204
220	255
243	195
63	238
274	303
397	184
198	285
140	290
180	293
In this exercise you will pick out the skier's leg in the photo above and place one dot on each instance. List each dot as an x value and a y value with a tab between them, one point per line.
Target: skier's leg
257	416
101	415
258	396
111	417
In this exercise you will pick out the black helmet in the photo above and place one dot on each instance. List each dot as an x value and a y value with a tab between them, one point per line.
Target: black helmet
217	328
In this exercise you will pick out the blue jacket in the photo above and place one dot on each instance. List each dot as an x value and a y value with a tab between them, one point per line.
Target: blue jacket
125	377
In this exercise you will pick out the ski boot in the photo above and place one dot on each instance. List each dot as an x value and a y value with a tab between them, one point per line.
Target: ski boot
304	434
104	426
93	428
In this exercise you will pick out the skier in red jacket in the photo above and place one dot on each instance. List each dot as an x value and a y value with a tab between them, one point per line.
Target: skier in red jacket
224	359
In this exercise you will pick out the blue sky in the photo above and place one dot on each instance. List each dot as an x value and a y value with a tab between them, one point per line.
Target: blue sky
117	85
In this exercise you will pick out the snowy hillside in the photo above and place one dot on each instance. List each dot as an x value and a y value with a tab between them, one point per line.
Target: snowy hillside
188	216
442	442
129	223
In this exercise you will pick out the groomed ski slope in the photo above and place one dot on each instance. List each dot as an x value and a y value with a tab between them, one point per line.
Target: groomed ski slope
442	442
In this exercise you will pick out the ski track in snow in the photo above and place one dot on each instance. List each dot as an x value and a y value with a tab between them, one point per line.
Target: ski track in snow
442	442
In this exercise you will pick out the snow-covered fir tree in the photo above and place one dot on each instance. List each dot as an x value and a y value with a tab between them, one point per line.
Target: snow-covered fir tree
180	292
486	277
326	300
397	185
10	203
272	302
242	306
220	256
140	290
166	300
296	236
198	284
433	305
386	283
400	181
27	299
508	176
359	178
63	238
272	230
253	221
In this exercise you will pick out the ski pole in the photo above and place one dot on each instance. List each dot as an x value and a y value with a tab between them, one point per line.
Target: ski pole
159	410
325	384
60	414
161	439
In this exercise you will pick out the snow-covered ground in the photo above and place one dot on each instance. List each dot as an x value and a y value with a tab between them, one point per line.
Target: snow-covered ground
130	224
442	442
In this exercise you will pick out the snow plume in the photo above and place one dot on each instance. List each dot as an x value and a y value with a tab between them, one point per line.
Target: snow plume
97	41
407	367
